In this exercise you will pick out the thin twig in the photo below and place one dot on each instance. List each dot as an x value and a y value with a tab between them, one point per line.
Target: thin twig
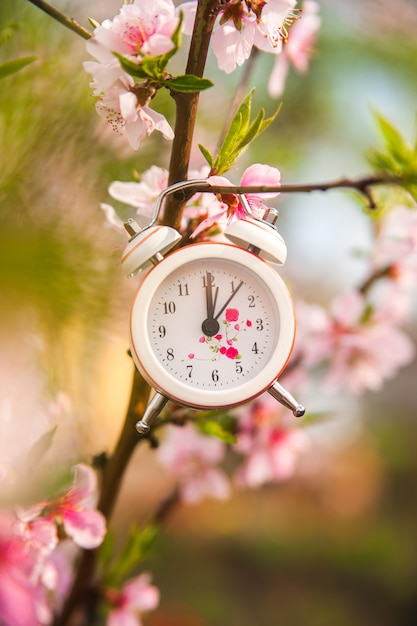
361	185
63	19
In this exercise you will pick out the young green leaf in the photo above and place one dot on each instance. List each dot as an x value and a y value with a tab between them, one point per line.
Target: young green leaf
134	551
187	83
399	149
215	429
206	154
137	70
240	134
11	67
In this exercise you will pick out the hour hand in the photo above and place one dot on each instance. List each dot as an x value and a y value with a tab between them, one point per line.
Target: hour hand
210	326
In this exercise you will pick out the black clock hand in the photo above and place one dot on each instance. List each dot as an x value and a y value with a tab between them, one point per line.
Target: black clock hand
210	326
229	300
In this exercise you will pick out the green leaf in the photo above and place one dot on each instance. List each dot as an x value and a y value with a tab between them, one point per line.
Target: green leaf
137	70
187	83
238	126
397	146
215	429
134	551
11	67
40	448
206	154
240	134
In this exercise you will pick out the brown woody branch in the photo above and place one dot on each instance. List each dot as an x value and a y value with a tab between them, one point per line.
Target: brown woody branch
83	597
186	106
361	185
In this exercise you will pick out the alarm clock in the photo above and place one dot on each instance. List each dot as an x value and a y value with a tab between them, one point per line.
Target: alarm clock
212	324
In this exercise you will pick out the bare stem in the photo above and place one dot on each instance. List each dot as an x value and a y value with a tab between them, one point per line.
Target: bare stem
63	19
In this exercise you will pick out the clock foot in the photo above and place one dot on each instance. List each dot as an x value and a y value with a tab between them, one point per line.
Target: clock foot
283	396
153	409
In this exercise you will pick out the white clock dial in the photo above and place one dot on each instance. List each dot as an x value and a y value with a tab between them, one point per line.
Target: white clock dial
212	326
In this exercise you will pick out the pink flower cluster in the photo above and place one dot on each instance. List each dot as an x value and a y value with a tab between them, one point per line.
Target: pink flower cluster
267	448
140	30
203	207
360	339
31	572
138	595
144	30
244	25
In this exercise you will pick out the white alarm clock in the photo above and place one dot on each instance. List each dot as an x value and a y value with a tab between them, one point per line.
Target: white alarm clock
212	325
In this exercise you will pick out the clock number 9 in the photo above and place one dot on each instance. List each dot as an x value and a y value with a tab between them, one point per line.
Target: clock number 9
162	331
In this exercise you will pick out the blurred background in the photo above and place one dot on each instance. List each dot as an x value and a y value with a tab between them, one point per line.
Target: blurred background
335	545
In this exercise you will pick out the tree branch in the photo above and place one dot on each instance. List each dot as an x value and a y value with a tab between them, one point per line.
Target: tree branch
186	106
83	597
361	185
63	19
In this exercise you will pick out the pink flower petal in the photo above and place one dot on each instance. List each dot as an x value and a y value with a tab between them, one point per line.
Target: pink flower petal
86	527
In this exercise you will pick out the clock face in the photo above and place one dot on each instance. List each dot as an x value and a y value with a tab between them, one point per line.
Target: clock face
212	326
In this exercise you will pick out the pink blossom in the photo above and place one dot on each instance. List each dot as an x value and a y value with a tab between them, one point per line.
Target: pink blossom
396	245
240	27
136	596
262	175
257	174
297	50
192	458
121	103
22	598
248	323
75	510
361	345
232	315
271	451
140	29
141	195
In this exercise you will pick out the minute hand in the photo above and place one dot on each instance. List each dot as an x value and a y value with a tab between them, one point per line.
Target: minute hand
229	300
